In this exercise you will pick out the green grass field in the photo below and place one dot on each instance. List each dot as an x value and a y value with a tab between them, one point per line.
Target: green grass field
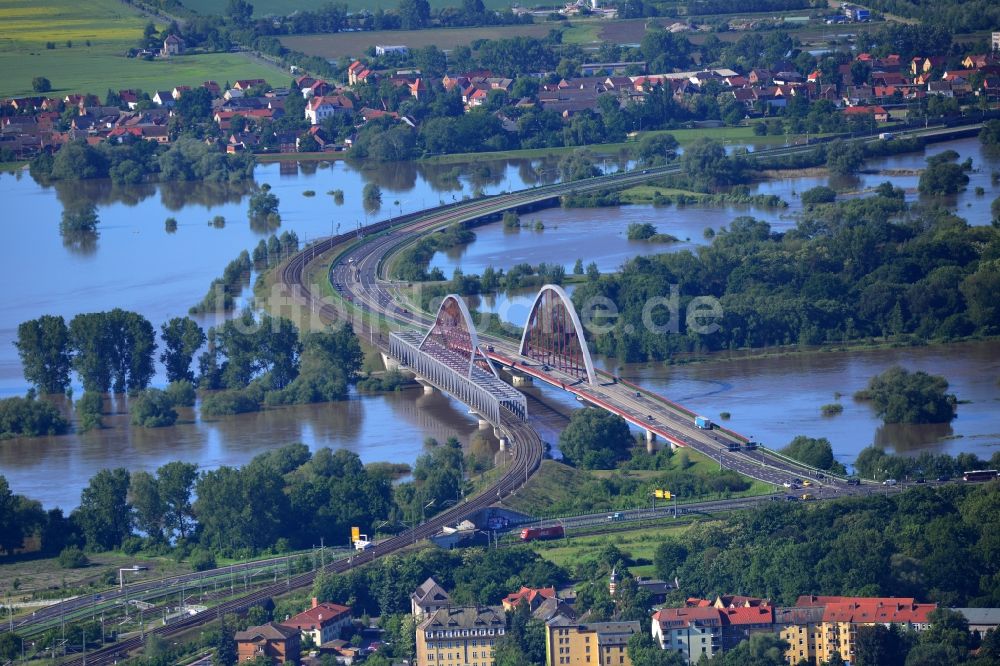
111	29
285	7
638	544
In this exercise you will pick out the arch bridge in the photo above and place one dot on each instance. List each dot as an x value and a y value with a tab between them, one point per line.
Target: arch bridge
449	357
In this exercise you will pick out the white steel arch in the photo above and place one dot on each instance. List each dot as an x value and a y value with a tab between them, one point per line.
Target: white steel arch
554	334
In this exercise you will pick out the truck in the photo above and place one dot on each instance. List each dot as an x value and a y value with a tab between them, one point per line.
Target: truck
363	543
542	533
887	136
703	423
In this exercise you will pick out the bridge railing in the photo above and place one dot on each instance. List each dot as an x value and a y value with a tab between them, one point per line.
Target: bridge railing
798	463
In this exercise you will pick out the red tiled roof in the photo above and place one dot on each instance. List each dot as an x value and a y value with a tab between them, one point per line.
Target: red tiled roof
320	615
869	611
679	618
530	594
748	615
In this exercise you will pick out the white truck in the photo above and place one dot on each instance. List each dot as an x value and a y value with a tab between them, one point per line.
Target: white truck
362	542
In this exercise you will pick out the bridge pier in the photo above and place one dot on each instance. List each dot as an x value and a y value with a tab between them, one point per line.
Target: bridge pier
650	441
484	424
428	387
389	362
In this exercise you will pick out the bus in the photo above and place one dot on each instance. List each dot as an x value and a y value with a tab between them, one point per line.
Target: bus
980	475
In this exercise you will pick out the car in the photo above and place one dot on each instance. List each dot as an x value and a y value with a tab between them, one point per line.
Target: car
820	475
920	479
796	480
854	481
638	394
942	478
616	516
791	498
650	417
787	484
808	496
795	486
807	483
890	482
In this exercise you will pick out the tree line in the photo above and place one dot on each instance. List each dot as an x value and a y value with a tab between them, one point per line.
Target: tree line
135	161
245	362
287	498
852	270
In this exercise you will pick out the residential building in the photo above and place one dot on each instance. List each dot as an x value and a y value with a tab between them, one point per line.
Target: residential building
460	636
163	98
320	108
272	640
428	598
981	619
172	45
695	632
383	49
246	84
323	622
843	615
739	622
802	629
531	596
588	644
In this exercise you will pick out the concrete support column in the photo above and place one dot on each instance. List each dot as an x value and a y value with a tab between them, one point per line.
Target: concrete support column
484	424
650	441
503	443
428	387
389	362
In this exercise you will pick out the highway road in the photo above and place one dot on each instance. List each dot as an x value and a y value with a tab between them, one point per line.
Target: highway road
360	277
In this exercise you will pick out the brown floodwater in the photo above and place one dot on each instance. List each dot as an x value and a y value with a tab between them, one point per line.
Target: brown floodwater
386	427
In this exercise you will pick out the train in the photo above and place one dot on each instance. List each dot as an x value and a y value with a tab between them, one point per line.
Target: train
541	533
980	475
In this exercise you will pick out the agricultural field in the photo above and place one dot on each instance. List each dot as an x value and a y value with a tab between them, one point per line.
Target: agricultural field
285	7
110	29
354	44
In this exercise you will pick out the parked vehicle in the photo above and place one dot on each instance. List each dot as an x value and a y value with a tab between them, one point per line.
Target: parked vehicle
616	516
854	481
890	482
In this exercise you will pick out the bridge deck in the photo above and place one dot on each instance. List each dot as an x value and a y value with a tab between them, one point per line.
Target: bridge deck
447	371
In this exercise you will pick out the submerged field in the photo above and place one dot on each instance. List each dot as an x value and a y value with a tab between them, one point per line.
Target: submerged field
90	40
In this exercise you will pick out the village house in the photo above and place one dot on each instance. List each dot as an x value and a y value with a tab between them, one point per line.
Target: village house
172	45
320	108
428	598
321	623
280	644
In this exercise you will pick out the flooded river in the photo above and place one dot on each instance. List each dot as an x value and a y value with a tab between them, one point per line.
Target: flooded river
137	265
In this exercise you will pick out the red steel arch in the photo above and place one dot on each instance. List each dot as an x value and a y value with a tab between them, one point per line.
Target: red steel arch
553	335
453	329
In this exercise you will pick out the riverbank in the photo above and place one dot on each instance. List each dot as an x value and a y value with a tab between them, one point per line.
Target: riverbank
858	346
